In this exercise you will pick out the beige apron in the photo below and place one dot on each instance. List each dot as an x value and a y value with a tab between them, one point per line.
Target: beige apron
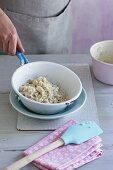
44	26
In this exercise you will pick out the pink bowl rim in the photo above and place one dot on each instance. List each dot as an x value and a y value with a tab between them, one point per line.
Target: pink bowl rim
102	62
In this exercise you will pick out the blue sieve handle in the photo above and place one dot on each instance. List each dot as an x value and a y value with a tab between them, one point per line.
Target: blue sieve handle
23	59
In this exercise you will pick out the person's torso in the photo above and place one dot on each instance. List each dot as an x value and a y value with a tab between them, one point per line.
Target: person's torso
38	8
43	25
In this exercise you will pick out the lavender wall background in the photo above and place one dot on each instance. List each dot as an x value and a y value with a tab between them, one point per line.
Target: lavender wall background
93	22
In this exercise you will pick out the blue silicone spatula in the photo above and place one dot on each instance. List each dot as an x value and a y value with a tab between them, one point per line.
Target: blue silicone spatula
76	134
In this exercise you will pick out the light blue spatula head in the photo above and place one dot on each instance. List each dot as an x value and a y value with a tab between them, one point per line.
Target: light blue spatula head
81	132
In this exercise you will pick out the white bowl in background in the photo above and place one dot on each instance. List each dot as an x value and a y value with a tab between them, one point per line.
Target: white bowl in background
56	73
102	61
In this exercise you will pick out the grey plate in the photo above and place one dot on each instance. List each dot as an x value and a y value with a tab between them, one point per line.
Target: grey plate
17	104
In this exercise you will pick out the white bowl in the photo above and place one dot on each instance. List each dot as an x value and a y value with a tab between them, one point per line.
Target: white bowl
102	61
55	73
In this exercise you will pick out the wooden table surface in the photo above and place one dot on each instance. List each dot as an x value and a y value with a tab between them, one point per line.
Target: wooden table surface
13	142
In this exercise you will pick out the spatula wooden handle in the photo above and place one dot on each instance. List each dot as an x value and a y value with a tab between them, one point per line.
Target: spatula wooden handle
27	159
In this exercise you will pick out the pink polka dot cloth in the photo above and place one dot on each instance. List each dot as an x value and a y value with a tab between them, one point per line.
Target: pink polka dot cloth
66	157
